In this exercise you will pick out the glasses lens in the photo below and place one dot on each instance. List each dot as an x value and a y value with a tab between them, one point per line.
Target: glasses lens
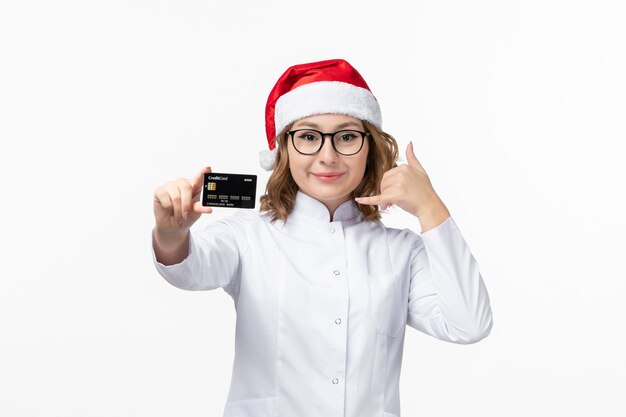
348	141
307	141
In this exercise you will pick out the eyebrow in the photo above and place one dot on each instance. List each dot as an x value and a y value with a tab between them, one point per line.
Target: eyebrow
340	126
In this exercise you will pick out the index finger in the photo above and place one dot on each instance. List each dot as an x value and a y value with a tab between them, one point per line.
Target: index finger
374	200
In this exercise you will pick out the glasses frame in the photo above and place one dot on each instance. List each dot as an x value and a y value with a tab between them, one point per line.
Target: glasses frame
332	142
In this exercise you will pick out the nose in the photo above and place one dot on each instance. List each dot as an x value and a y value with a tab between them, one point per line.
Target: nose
327	154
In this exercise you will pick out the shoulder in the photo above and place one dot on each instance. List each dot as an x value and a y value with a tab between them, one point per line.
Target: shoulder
445	233
236	227
242	218
402	237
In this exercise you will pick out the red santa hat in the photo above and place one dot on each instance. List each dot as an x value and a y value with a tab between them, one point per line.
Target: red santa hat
331	86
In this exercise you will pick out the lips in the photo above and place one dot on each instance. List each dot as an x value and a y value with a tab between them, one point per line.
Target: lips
328	176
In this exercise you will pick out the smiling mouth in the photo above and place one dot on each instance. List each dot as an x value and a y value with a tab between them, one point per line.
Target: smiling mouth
328	176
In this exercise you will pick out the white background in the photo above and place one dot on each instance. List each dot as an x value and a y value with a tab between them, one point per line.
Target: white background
517	111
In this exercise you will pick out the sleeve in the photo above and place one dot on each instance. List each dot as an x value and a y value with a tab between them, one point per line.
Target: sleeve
214	259
447	296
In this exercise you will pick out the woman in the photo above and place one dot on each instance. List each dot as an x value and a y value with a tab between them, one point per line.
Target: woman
322	289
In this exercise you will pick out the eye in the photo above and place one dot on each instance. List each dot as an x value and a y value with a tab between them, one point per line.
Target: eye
347	137
308	136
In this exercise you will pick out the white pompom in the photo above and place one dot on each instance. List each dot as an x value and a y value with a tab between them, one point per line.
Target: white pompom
267	159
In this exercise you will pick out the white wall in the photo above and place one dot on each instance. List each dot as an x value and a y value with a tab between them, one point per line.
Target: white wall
517	114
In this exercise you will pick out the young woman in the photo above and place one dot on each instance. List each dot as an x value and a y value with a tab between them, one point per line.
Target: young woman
323	290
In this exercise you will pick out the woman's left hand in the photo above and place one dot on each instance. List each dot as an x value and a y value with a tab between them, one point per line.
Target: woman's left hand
408	187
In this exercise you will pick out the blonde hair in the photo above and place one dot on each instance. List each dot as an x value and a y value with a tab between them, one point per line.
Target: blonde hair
281	188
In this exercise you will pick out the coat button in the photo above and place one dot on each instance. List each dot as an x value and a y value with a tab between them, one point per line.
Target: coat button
338	321
335	381
331	230
336	272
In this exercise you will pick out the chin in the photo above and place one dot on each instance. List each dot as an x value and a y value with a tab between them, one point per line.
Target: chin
331	196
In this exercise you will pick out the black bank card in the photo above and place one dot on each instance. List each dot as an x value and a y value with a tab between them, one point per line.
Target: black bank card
229	190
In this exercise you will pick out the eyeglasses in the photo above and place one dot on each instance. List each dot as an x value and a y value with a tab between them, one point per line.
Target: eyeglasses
310	141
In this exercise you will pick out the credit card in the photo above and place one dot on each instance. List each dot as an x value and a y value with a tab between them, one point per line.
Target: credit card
229	190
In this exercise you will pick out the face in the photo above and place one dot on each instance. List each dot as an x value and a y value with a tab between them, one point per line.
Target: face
328	176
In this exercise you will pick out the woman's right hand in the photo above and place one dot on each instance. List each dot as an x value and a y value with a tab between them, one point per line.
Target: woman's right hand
177	204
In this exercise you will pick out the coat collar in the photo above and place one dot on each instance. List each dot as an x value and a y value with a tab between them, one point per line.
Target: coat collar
307	208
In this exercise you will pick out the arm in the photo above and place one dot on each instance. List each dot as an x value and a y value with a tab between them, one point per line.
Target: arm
190	260
170	250
207	259
447	296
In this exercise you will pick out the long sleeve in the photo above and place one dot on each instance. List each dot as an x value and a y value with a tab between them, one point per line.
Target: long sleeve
214	257
447	296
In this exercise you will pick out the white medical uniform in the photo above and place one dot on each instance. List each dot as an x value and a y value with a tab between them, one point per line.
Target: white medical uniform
322	305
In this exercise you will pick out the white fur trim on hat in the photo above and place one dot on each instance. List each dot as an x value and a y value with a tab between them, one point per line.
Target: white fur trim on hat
267	159
326	97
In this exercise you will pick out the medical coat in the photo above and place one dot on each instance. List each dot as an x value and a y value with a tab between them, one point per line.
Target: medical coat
322	305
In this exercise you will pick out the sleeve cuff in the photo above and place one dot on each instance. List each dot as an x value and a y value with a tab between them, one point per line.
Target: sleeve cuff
445	226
